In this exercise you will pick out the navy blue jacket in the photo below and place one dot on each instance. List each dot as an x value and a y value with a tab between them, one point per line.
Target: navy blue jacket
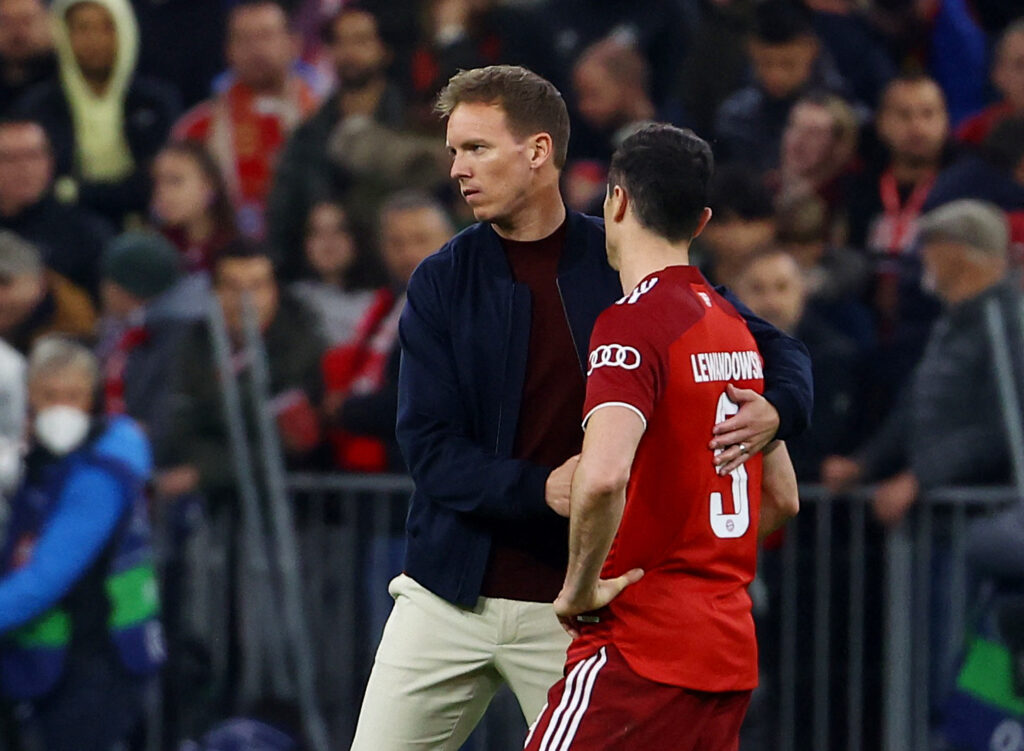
465	333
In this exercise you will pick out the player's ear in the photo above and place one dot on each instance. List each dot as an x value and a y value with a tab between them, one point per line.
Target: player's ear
705	217
541	149
620	203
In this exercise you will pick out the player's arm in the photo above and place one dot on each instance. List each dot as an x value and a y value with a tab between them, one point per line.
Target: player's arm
780	499
597	502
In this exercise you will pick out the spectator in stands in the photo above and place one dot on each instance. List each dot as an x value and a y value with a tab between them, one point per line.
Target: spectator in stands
939	435
716	62
786	61
994	174
1008	78
79	629
742	221
246	125
191	204
26	48
657	28
913	126
70	237
858	49
462	34
105	124
304	173
138	269
344	269
885	205
361	377
197	452
12	422
773	285
835	277
819	145
610	84
35	302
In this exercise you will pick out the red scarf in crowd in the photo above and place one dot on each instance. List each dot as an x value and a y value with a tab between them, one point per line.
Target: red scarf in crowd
358	367
113	373
245	133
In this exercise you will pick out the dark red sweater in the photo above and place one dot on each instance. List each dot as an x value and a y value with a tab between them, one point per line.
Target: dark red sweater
528	559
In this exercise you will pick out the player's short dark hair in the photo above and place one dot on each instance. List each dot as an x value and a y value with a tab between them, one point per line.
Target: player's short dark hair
665	172
737	192
531	103
782	22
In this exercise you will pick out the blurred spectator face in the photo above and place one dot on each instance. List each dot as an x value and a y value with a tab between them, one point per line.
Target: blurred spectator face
773	287
410	235
330	248
181	192
93	37
490	163
783	69
24	30
360	54
733	238
118	303
236	277
260	49
19	296
913	121
808	140
599	97
944	264
66	387
1008	72
26	166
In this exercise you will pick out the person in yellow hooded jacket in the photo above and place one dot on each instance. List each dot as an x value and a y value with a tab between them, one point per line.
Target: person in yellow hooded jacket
105	123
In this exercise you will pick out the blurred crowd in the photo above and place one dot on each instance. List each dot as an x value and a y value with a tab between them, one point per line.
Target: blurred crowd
157	157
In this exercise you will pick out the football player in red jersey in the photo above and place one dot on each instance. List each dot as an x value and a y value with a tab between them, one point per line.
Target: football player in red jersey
662	545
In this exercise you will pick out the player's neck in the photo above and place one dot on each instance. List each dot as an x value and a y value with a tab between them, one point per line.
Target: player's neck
647	253
539	218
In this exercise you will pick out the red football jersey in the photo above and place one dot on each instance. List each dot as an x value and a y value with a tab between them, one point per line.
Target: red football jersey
667	351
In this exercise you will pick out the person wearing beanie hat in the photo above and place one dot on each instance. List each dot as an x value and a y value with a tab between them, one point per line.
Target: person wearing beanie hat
138	269
143	264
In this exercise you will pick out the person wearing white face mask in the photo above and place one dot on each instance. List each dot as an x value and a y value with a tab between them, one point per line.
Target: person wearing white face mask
79	627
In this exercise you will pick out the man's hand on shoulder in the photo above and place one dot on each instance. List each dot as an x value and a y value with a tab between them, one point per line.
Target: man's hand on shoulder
745	433
559	485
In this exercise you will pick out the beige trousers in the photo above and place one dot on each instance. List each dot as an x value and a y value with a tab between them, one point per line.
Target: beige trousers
438	666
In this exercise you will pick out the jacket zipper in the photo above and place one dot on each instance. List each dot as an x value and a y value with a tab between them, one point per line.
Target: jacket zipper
572	334
504	370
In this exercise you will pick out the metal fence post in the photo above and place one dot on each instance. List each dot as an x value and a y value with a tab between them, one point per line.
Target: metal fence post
283	533
241	456
898	682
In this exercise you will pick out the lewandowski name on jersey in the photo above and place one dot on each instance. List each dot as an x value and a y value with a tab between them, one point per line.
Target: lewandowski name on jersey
726	366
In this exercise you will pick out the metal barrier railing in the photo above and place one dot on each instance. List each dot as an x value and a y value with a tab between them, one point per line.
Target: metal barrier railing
855	656
861	627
